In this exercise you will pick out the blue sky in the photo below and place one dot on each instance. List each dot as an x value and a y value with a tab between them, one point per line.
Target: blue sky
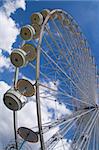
85	13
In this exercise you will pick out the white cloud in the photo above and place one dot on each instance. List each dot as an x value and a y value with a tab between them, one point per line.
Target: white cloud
8	32
59	108
5	116
4	62
10	6
63	145
8	27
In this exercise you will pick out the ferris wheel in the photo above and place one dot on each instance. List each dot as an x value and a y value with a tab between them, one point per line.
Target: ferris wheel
64	77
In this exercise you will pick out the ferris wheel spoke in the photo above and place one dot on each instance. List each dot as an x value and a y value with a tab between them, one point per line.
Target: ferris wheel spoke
41	72
85	105
60	34
62	132
74	71
55	138
74	47
87	139
51	126
57	57
64	93
88	143
55	68
83	65
86	130
64	78
44	75
71	41
50	47
75	146
97	135
68	38
59	100
63	72
91	127
94	137
89	135
75	136
66	120
70	54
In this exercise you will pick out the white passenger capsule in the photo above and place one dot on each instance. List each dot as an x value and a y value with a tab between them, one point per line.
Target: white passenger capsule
37	31
28	134
20	57
36	18
27	32
45	12
25	87
14	100
31	51
66	22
